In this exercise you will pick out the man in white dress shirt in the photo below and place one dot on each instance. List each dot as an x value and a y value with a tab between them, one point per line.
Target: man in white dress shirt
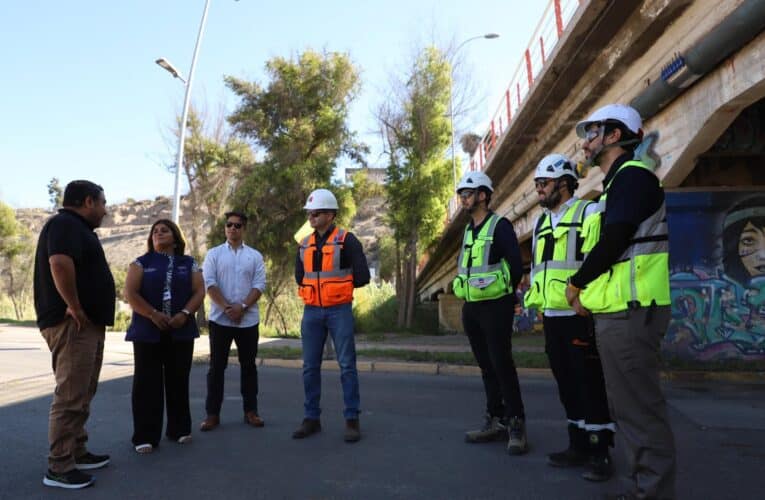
235	278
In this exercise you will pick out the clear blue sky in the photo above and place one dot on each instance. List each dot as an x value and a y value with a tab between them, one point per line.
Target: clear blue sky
82	97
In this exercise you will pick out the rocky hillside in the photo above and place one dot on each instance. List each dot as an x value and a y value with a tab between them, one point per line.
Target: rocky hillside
126	227
124	230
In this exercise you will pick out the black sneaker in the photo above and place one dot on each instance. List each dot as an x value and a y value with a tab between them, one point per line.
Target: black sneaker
567	458
599	468
90	461
71	480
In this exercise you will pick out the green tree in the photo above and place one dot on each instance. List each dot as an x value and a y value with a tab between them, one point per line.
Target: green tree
55	193
120	275
299	122
212	159
16	260
365	189
415	127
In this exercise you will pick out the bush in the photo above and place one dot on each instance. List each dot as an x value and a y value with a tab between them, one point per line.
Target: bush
374	308
284	322
121	321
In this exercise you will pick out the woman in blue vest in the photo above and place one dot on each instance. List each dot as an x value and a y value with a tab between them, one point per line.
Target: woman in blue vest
165	288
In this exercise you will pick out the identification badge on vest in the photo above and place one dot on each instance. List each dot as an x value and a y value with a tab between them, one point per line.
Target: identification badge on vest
481	281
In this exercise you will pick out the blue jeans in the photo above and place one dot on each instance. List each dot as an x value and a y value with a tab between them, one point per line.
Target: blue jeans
338	321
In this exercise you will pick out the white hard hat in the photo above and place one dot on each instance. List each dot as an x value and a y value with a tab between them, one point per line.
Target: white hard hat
627	115
321	199
474	180
554	166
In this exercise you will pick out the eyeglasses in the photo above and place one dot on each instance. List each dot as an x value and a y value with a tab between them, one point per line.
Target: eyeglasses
591	134
466	193
316	213
542	183
237	225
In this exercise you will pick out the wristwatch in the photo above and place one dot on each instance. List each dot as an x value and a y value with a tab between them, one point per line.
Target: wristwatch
244	306
186	312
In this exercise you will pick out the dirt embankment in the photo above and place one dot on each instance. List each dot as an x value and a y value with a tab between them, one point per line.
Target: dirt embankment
125	229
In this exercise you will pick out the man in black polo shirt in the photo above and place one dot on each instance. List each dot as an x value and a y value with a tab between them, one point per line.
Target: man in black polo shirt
74	301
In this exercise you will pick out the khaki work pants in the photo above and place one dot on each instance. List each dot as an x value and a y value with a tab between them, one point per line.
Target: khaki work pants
76	359
629	343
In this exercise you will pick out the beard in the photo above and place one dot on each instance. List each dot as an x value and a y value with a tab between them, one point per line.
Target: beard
552	200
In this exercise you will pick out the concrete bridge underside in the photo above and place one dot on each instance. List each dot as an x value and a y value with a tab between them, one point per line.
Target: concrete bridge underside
612	51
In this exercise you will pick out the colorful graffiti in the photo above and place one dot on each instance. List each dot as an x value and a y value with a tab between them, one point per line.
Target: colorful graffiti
717	261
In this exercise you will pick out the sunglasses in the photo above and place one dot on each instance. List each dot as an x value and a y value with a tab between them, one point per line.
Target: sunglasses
237	225
542	183
466	193
316	213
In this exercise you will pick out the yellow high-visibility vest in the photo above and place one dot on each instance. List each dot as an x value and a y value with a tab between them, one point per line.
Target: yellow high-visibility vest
640	277
476	279
557	254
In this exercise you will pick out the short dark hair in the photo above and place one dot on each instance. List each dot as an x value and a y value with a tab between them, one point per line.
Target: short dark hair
486	191
570	182
627	134
77	192
235	213
180	241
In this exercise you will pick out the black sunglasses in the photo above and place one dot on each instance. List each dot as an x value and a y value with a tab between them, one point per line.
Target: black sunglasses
316	213
542	183
237	225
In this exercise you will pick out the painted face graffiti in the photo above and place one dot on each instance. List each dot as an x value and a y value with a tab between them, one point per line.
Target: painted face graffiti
751	249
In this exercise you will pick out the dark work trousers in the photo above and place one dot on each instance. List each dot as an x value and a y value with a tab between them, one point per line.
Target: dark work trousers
629	343
571	348
247	348
488	325
161	373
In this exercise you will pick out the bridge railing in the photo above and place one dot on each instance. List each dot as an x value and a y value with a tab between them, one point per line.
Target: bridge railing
548	32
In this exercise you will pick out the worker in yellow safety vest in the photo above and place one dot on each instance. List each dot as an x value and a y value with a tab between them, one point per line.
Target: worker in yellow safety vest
569	338
624	283
489	268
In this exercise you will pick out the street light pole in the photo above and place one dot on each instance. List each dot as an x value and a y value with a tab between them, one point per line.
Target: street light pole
488	36
185	114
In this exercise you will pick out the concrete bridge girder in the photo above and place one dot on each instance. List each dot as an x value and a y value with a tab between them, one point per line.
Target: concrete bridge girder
617	71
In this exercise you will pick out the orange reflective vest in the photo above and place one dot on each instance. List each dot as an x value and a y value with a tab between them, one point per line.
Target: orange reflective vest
330	285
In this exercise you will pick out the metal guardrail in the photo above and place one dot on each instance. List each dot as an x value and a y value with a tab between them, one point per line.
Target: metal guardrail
548	32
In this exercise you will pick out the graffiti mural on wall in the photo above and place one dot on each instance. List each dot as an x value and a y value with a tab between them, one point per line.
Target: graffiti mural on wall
717	274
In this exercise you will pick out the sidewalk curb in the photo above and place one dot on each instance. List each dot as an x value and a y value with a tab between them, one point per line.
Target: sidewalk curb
474	371
714	376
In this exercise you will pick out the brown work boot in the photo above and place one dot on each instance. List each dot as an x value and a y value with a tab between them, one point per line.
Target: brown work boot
308	427
517	443
252	418
493	429
352	430
210	423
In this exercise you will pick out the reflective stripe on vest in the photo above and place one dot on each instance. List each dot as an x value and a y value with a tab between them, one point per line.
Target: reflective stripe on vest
548	276
329	285
477	279
640	277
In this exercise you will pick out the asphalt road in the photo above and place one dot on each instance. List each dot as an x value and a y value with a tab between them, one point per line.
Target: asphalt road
412	444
